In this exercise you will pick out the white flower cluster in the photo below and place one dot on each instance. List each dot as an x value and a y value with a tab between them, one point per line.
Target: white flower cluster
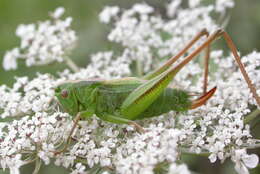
142	153
140	32
42	43
216	128
35	136
26	97
103	65
222	5
100	143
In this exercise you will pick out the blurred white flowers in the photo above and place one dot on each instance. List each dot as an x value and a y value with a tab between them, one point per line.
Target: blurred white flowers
108	13
243	160
147	38
222	5
42	43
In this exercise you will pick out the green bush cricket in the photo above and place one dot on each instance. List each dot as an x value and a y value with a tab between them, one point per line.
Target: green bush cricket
122	101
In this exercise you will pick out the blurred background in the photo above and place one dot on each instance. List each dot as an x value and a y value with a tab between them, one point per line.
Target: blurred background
244	28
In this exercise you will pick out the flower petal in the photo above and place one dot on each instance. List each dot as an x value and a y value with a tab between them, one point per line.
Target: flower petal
251	161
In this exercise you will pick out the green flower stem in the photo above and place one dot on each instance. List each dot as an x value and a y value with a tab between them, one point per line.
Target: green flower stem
186	151
251	116
139	68
37	166
71	64
253	146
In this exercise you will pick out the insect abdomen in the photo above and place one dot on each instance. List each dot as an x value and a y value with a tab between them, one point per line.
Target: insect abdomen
169	100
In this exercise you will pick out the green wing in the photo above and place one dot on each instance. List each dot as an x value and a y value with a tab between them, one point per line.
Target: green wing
124	81
143	96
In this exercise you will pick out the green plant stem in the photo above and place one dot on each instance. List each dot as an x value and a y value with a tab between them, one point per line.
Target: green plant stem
186	151
251	116
71	64
139	68
37	166
255	146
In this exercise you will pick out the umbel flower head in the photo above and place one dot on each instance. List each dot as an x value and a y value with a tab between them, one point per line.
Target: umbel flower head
42	43
36	126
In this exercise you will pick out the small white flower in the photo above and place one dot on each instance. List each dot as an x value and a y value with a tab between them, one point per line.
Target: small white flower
178	169
243	160
172	7
212	158
251	161
108	13
58	12
142	8
222	5
10	59
80	169
194	3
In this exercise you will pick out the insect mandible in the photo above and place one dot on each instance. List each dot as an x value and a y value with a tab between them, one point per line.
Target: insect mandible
124	100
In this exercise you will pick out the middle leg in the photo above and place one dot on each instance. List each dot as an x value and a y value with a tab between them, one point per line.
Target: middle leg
119	120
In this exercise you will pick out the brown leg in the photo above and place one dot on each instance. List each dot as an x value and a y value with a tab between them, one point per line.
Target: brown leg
139	128
76	120
233	49
211	38
172	60
167	64
206	69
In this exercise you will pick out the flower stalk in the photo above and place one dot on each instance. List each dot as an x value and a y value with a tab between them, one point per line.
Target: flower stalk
71	64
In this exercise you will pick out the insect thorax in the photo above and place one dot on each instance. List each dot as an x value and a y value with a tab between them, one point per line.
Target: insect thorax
109	98
86	94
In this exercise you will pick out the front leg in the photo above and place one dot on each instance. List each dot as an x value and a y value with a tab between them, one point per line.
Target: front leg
85	114
119	120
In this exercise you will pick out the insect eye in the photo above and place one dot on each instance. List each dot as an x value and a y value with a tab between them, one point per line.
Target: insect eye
64	93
